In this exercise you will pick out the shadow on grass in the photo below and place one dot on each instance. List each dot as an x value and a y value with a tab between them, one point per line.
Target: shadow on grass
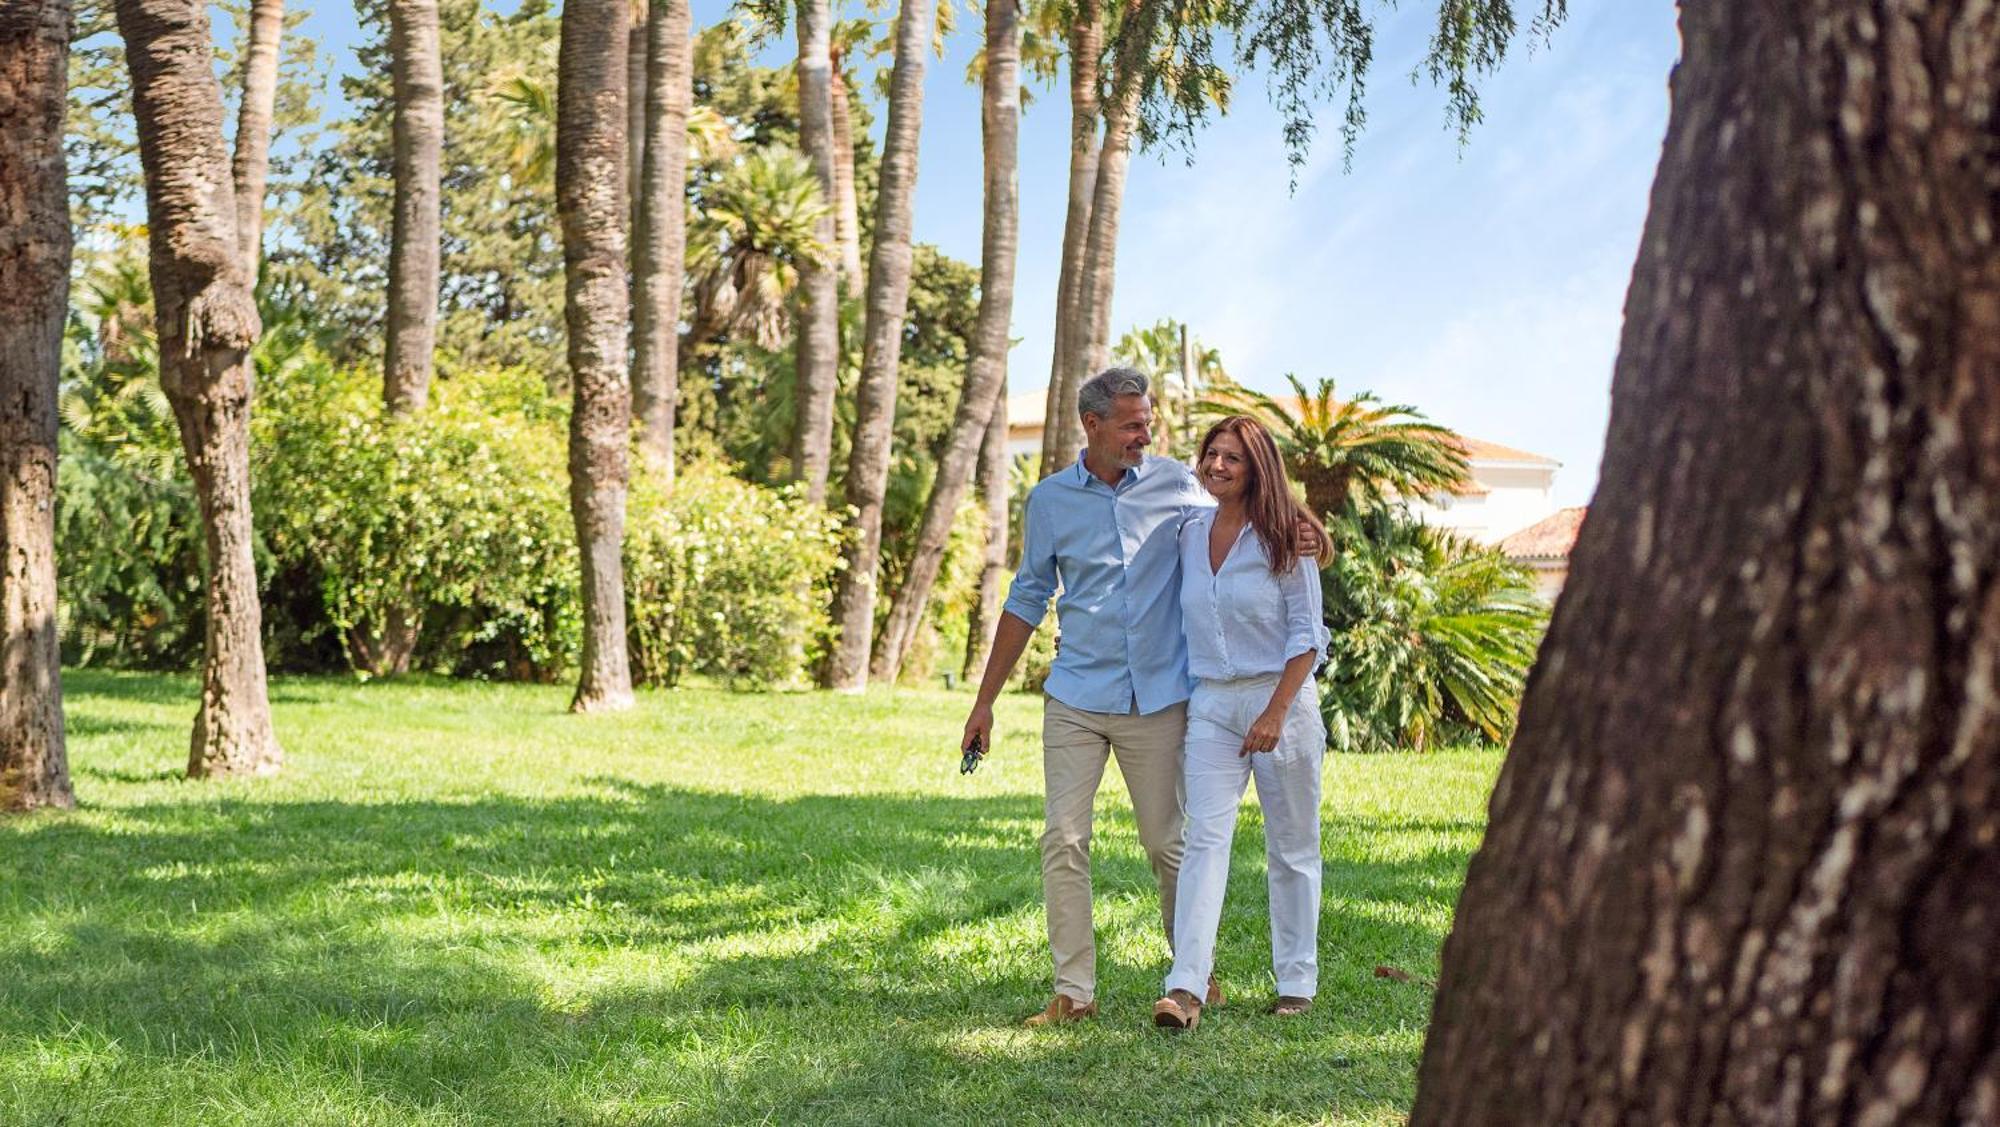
652	954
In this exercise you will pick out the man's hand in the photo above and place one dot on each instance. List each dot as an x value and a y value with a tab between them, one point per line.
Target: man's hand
978	726
1264	732
1306	541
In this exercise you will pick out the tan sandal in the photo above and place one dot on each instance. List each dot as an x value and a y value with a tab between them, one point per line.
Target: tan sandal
1178	1010
1291	1005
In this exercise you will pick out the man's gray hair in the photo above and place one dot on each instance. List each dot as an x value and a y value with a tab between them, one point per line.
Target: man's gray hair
1097	392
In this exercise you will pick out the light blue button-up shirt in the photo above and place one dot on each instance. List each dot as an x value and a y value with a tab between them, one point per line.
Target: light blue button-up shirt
1243	620
1116	554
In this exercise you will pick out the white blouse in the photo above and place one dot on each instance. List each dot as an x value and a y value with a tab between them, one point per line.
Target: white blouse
1243	621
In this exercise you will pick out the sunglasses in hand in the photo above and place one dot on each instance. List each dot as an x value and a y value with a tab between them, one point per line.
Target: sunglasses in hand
973	755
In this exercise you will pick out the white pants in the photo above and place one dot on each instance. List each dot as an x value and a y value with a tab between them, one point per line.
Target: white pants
1288	789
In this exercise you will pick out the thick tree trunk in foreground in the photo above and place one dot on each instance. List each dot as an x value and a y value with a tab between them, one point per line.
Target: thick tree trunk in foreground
590	198
662	235
1000	114
207	323
417	70
846	206
996	489
1062	431
1743	863
252	166
817	354
882	349
34	269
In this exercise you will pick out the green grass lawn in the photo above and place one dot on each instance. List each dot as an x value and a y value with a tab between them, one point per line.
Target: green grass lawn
460	905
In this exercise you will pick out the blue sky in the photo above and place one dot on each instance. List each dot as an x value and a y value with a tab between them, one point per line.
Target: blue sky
1482	284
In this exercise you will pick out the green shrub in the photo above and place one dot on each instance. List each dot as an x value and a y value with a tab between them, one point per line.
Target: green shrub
442	540
1432	637
727	578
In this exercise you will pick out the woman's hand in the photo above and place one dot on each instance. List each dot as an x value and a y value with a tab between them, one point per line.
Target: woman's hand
1264	732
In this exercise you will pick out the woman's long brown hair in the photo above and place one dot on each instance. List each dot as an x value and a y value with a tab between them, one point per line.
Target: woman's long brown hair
1274	511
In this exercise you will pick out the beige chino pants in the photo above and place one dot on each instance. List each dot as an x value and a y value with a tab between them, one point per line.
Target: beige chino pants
1075	746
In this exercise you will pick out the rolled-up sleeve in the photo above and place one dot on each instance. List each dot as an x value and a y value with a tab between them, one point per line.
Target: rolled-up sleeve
1305	617
1035	582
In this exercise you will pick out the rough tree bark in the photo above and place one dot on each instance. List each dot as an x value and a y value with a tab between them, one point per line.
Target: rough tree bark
846	206
417	72
207	322
1000	114
662	230
882	347
34	269
995	488
1062	432
817	352
252	166
591	88
635	116
1743	864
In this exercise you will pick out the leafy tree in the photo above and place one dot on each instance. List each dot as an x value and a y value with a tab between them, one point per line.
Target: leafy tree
1432	636
1355	451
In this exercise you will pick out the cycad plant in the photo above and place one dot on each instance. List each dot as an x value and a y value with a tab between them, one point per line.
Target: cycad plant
1432	636
1358	450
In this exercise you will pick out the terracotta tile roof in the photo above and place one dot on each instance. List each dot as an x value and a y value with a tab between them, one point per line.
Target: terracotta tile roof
1550	538
1480	450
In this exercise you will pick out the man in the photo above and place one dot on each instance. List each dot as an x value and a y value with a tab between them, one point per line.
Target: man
1108	528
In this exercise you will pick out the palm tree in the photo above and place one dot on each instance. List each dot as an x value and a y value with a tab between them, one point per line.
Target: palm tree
1181	369
1356	451
846	36
818	337
417	71
1432	636
590	198
206	322
34	271
986	376
1085	40
251	168
660	272
996	490
759	223
882	336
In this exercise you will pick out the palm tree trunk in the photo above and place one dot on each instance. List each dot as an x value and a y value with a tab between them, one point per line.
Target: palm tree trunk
662	230
591	90
417	71
635	113
846	209
818	345
1062	432
995	488
34	268
882	345
1089	337
206	323
252	167
987	374
1742	856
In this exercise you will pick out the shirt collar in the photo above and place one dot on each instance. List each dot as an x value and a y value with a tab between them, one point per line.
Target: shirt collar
1084	477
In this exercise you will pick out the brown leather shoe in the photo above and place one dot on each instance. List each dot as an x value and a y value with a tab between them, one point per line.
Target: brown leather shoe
1178	1010
1062	1010
1214	993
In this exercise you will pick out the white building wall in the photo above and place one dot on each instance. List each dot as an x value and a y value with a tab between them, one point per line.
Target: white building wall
1515	496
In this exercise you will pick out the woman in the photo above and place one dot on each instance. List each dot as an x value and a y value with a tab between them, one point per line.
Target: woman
1251	607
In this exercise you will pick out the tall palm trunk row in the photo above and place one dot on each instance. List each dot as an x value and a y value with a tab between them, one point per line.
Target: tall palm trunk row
882	346
417	73
252	166
1062	434
981	401
662	231
817	347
